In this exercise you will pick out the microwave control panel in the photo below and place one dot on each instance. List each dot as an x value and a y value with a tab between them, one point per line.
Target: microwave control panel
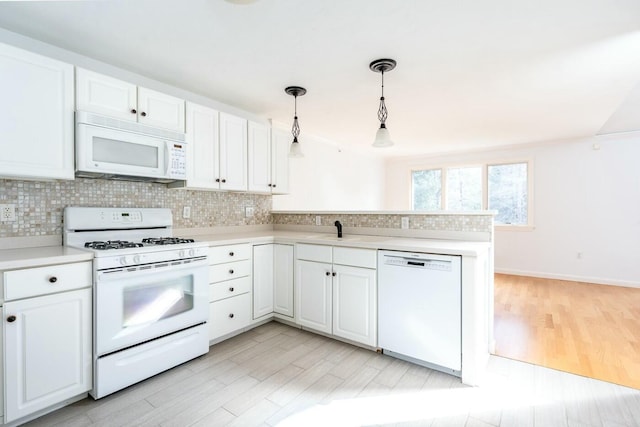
178	161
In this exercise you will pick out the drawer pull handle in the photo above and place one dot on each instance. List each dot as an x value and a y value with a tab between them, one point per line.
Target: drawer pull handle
53	279
231	271
231	315
11	319
231	253
230	289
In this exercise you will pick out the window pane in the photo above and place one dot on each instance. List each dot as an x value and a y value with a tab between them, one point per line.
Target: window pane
508	193
464	189
427	189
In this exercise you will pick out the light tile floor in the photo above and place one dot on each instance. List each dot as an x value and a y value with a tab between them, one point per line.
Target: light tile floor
276	375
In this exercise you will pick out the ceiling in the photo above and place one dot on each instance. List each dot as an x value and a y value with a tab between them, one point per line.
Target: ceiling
471	74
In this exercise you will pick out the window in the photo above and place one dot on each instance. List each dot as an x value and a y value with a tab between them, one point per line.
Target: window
427	190
508	193
500	187
464	189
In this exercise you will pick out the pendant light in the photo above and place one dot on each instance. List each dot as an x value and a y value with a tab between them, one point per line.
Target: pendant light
382	136
295	91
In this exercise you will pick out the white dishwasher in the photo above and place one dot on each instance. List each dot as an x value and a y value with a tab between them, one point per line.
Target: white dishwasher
420	308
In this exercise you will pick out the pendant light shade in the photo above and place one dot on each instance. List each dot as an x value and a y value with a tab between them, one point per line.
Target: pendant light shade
383	139
295	91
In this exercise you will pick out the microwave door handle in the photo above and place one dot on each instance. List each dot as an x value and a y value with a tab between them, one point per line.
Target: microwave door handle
166	158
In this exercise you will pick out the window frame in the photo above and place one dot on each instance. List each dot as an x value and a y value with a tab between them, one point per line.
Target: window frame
444	167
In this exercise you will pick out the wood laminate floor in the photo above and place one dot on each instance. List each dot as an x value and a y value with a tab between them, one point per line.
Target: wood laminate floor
586	329
276	375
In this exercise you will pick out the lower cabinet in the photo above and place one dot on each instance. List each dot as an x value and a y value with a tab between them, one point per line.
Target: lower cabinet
283	280
48	351
263	266
229	289
337	297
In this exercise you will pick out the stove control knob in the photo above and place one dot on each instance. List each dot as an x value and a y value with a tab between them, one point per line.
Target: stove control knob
136	259
192	252
181	254
122	260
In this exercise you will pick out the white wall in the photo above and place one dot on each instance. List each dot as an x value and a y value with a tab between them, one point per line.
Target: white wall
585	200
329	178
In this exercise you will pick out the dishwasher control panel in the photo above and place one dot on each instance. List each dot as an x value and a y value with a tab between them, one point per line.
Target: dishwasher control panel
427	264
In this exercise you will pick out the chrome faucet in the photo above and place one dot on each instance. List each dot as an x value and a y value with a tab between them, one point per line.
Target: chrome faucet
337	224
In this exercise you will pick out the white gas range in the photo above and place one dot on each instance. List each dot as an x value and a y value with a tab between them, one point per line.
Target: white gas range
150	295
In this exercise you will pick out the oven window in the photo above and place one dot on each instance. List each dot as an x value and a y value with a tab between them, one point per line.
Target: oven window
148	304
124	153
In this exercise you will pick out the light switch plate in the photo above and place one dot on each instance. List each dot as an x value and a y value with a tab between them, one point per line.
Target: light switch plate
404	222
186	212
318	220
249	211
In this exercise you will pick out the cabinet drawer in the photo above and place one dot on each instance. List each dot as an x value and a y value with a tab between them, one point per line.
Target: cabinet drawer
46	280
318	253
230	270
229	288
366	258
228	253
229	315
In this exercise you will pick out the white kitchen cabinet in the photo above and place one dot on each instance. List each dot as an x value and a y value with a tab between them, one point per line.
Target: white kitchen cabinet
229	289
263	267
36	110
233	153
345	305
354	304
48	351
313	295
283	280
268	159
116	98
1	370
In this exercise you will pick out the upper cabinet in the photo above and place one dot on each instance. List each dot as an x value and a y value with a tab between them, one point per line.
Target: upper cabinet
106	95
36	106
216	150
268	159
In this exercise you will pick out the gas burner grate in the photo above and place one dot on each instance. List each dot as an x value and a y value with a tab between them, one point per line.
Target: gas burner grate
166	240
112	244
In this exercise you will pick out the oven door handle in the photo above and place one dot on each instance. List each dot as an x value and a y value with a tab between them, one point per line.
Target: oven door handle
137	272
166	158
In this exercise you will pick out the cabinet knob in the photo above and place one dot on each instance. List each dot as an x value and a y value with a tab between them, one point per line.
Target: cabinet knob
269	185
231	253
274	186
143	114
231	271
217	179
230	315
133	111
53	279
11	319
328	273
230	289
333	274
224	180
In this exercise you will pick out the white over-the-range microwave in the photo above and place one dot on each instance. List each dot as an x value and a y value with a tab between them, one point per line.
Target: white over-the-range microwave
117	149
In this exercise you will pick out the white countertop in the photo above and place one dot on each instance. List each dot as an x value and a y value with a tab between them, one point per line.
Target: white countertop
446	247
35	257
39	256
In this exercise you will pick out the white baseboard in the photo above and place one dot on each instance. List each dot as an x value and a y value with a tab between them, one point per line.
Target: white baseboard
569	277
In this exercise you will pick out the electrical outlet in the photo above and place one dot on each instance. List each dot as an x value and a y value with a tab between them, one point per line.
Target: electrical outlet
186	212
318	220
249	211
8	213
404	222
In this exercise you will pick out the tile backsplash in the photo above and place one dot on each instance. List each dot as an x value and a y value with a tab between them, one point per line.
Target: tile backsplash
40	204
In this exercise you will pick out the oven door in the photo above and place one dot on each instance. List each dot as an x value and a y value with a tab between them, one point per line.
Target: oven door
132	307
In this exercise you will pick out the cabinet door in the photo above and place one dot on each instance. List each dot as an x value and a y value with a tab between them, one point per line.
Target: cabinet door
233	153
283	279
313	295
202	147
48	351
354	304
102	94
160	110
36	107
262	280
280	142
259	158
